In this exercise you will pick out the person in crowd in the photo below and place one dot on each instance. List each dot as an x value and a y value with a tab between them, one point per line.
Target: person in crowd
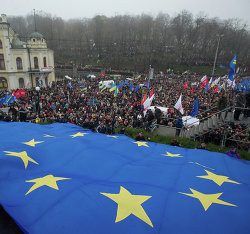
233	153
140	137
175	142
101	128
202	146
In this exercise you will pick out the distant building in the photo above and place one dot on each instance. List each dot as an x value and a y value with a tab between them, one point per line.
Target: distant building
22	64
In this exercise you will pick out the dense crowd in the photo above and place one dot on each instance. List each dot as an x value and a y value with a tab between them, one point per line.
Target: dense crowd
102	112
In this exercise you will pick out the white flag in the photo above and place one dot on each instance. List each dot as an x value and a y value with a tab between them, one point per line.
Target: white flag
211	80
203	78
217	81
147	104
178	105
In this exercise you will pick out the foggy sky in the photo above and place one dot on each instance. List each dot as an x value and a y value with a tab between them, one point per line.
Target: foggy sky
68	9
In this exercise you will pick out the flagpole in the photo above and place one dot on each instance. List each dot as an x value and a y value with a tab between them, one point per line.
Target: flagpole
216	53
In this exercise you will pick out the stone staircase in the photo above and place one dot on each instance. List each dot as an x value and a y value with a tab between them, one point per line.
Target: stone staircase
210	123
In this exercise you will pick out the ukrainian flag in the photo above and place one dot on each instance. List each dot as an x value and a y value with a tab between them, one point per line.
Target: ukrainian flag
116	91
113	87
61	178
138	76
103	87
84	88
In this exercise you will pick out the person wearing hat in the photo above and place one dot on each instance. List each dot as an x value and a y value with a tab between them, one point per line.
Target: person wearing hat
233	153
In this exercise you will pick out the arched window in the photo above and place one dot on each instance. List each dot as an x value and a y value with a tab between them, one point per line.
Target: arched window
3	83
1	45
19	63
21	83
36	63
2	64
44	62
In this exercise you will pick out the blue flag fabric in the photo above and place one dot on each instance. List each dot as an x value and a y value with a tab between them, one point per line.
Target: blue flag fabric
232	69
131	87
61	178
137	88
206	88
195	109
125	83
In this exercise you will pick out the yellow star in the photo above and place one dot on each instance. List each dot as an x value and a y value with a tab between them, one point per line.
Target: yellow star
23	155
48	180
129	204
172	155
78	134
32	142
218	179
207	199
141	143
46	135
112	136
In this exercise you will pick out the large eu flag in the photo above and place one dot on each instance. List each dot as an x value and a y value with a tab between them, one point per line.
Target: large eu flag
61	178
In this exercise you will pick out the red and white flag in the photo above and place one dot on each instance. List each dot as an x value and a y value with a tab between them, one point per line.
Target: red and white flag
217	88
144	99
147	104
178	105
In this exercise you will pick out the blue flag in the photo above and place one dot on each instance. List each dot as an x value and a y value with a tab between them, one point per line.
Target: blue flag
125	83
61	178
131	87
232	69
195	109
137	88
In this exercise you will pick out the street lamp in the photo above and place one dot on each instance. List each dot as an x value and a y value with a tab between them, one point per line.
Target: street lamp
216	52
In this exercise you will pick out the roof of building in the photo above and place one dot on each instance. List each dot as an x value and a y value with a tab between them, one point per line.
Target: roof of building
16	43
36	35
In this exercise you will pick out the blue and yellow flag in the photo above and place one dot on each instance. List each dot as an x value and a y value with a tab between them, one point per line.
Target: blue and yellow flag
84	88
138	76
61	178
116	91
70	84
103	87
113	87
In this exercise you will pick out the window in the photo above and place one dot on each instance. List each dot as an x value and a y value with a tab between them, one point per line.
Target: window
1	45
2	65
44	62
21	83
36	63
3	83
19	63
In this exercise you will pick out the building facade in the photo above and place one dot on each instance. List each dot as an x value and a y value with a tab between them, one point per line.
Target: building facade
22	64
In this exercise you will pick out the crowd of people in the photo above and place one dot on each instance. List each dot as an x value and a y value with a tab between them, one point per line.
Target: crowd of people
102	112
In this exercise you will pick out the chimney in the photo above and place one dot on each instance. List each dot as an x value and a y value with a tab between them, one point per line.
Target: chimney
4	18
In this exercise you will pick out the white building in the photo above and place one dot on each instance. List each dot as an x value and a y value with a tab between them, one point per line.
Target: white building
22	64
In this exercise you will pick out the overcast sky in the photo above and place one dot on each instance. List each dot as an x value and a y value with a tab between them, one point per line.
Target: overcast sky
67	9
